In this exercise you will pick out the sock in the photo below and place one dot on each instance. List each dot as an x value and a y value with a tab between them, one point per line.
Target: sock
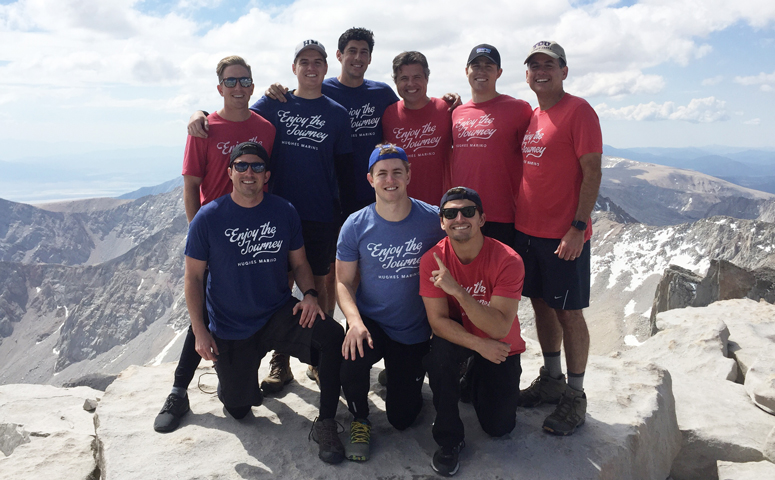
576	381
553	364
179	391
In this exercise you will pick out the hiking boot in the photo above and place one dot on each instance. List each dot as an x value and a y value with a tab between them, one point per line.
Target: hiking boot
280	373
173	410
357	449
569	414
382	377
326	434
544	389
445	460
313	374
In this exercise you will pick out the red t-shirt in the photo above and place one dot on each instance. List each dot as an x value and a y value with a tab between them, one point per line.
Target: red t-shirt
497	270
208	158
426	136
551	177
486	155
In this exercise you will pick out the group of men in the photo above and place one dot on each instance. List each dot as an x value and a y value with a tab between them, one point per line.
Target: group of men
280	191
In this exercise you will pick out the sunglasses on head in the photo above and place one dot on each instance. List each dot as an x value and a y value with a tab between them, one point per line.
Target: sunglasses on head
242	167
451	213
231	82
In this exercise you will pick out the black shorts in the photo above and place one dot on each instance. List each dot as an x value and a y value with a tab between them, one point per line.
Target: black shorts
562	284
320	245
238	360
502	232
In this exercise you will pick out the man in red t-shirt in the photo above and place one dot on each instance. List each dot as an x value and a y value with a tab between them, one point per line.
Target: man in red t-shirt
471	286
422	126
487	133
205	178
562	152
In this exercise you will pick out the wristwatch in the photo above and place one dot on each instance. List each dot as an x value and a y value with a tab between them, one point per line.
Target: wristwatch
312	292
579	224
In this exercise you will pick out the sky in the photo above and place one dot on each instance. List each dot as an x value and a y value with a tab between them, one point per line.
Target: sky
86	76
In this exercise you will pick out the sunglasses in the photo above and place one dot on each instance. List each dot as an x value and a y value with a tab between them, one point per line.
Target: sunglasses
451	213
242	167
231	82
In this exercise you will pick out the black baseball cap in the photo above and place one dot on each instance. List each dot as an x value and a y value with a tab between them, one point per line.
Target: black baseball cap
487	51
462	193
249	148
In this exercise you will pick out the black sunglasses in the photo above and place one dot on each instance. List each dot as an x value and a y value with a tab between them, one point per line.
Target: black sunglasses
231	82
257	167
451	213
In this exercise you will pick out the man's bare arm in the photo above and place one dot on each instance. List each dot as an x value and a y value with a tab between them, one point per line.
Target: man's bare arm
357	333
195	300
198	126
572	242
302	274
191	199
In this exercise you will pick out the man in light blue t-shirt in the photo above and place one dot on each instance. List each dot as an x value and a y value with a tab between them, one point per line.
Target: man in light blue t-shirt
382	244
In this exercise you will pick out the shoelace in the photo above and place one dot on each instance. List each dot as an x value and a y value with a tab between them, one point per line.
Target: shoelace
360	433
326	436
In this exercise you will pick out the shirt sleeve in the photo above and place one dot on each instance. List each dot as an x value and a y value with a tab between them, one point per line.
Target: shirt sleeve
347	246
587	136
297	240
427	265
195	157
197	243
511	276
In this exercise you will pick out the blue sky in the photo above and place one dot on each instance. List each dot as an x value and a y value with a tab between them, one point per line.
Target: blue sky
89	75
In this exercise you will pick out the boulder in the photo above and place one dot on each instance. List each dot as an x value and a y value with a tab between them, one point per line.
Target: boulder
45	430
760	384
716	416
630	432
745	471
769	446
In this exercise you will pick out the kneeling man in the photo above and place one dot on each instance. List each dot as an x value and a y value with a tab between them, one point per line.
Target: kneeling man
471	285
247	238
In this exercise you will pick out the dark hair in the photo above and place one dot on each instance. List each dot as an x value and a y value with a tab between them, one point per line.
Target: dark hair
410	58
357	34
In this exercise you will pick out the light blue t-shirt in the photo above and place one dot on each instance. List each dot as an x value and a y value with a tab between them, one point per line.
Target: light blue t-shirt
388	255
247	253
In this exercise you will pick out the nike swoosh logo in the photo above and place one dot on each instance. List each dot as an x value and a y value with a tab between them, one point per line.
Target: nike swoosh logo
558	297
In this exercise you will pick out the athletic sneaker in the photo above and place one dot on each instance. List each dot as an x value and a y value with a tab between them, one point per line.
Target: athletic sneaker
544	389
280	373
569	414
382	377
357	449
173	410
313	374
445	460
326	434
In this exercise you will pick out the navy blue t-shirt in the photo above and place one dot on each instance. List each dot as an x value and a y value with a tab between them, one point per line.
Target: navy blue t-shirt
309	134
388	256
365	105
247	253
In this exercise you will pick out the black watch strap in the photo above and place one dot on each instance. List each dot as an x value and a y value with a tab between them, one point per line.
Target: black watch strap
579	225
312	292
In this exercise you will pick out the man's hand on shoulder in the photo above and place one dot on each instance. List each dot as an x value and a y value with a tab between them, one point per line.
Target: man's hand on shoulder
443	279
310	310
198	126
353	341
277	91
453	100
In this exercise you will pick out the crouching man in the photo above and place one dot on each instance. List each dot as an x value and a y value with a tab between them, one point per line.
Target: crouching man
248	238
471	285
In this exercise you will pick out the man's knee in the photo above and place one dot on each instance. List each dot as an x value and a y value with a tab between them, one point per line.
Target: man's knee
570	318
238	412
498	427
403	421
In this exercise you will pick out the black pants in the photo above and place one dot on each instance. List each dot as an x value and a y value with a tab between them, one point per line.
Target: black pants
494	391
406	374
189	357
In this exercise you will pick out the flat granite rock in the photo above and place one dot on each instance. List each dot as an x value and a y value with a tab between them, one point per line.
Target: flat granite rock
45	431
746	471
630	432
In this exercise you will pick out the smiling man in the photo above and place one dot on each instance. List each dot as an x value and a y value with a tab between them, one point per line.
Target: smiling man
562	153
421	125
379	253
205	179
248	239
487	133
471	285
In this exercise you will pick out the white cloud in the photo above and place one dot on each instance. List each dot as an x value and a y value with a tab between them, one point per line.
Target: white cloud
753	121
712	80
616	84
699	110
761	79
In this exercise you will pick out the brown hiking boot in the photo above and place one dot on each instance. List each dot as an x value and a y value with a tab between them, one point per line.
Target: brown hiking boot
312	374
544	389
280	374
569	414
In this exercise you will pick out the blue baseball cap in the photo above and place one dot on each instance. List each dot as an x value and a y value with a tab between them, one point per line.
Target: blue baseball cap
376	156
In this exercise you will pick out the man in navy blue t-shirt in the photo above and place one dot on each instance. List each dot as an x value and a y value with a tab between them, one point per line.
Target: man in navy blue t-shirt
249	239
381	245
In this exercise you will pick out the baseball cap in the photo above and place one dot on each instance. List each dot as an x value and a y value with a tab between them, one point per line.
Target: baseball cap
310	45
249	148
376	156
461	193
549	47
487	51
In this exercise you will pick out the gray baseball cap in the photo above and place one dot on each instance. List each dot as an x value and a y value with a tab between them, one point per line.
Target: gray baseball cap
549	47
